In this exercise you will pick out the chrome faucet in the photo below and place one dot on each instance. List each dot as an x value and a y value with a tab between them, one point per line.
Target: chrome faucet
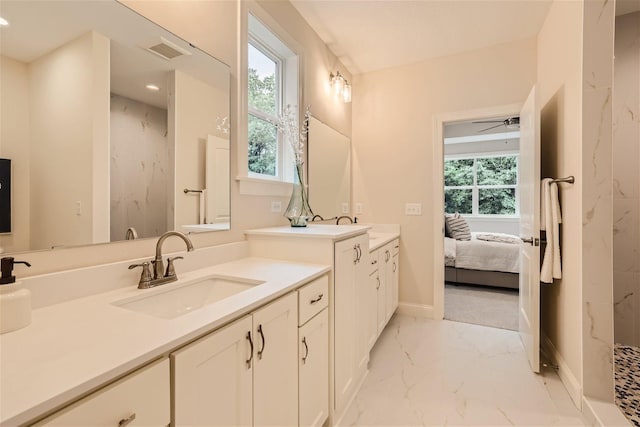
160	276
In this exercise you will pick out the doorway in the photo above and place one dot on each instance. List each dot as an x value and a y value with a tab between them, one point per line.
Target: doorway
481	215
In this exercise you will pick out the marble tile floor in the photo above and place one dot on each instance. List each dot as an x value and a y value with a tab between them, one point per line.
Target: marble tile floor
443	373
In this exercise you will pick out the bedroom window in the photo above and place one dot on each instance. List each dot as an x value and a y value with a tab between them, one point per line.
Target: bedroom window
481	185
272	84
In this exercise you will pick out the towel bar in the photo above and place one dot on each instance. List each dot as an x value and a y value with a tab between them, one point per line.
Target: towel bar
570	179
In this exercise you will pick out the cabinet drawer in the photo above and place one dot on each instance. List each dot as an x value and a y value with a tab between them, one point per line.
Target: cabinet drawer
373	261
139	399
312	298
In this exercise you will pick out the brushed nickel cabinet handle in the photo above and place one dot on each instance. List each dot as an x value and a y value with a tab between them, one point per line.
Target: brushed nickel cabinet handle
306	350
263	342
251	344
126	421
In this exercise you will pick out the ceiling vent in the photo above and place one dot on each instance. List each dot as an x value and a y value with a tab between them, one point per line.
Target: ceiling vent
166	49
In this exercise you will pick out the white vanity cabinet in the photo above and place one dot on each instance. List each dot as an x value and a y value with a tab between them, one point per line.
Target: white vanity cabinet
313	359
245	373
388	259
384	278
139	399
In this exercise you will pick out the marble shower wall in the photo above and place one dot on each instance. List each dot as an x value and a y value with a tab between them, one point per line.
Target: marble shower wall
139	168
597	200
626	180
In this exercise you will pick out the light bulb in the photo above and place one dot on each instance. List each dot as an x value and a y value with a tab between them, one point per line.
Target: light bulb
346	93
338	84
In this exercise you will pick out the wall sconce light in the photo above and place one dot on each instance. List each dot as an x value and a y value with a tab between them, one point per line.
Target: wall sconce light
340	86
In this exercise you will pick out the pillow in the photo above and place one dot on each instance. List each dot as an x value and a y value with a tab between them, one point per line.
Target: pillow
447	233
458	227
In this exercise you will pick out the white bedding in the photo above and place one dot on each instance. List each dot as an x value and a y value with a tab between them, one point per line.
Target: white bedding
483	255
449	252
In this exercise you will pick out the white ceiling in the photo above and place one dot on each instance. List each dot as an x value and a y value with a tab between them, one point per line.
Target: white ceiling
369	35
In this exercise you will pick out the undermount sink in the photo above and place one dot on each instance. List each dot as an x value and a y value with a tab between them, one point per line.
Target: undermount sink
185	298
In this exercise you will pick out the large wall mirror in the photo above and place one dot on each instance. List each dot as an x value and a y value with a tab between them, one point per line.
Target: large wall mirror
107	119
329	170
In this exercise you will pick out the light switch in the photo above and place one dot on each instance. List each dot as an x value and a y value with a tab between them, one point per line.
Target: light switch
276	206
413	209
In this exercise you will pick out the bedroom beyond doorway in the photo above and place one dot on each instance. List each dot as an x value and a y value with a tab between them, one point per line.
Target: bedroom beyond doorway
481	242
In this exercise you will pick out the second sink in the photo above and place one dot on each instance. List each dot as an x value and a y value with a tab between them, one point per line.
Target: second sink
187	297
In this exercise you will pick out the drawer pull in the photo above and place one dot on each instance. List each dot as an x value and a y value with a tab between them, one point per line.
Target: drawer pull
394	267
313	301
374	262
126	421
378	279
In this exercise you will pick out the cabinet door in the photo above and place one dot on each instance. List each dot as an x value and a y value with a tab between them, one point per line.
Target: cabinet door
373	286
395	268
382	288
212	378
141	398
351	268
314	370
275	376
388	281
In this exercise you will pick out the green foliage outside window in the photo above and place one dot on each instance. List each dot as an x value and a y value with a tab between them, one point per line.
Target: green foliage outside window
262	137
492	180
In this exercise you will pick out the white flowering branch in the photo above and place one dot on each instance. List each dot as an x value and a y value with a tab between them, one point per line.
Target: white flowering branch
289	127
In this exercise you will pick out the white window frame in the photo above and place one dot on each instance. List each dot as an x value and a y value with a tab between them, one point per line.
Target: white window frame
270	34
475	193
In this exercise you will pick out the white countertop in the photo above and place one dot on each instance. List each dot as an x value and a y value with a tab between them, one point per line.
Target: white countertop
324	231
378	239
75	347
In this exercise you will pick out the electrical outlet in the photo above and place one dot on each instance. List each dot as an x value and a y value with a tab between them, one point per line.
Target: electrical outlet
358	208
345	208
413	209
78	208
276	206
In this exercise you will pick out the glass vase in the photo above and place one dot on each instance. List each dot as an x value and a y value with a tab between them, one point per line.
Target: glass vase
298	211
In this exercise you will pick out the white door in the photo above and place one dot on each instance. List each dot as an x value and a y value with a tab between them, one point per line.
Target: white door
217	180
275	370
529	188
212	378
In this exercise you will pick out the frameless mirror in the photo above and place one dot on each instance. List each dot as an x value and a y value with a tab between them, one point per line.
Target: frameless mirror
329	170
107	119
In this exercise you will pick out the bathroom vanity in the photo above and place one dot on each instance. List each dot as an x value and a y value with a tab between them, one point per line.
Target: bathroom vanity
249	341
359	307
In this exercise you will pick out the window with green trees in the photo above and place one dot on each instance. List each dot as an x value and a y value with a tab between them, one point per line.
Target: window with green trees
481	185
264	108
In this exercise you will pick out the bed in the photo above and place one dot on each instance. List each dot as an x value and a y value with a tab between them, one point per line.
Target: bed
493	262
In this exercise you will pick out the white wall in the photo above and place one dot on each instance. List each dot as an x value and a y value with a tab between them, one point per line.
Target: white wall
139	168
393	114
14	145
626	180
64	114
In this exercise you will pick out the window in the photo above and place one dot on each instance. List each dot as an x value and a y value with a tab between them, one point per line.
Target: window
481	185
272	83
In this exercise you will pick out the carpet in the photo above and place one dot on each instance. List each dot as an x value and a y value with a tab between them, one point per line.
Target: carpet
481	305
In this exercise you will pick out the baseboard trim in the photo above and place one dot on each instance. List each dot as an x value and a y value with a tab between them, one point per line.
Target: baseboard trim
567	377
597	413
416	310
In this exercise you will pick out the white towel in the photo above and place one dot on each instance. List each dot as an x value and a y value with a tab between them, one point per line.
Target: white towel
203	204
550	219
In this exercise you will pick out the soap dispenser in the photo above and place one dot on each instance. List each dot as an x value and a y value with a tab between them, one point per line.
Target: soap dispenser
15	301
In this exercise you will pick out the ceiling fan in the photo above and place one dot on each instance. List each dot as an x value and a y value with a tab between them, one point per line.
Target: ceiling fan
509	123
